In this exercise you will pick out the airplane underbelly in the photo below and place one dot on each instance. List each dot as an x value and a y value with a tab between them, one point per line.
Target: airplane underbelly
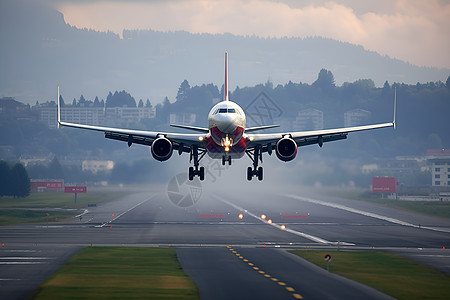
217	151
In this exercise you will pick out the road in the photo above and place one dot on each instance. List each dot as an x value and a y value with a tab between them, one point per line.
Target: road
226	256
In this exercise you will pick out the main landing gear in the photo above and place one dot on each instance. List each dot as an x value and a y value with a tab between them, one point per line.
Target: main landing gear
225	159
255	155
196	171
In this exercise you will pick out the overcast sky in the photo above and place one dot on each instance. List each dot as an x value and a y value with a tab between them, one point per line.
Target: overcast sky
416	31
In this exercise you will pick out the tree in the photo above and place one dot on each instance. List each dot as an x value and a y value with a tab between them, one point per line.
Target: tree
141	103
74	102
55	169
5	176
20	182
325	80
96	102
81	101
183	90
148	104
447	83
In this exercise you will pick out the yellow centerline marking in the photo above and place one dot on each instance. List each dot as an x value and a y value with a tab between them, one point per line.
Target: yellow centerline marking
288	288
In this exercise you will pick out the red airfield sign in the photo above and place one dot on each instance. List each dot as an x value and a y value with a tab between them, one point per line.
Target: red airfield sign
383	185
75	189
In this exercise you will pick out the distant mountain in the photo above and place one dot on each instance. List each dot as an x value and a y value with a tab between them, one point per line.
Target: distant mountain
39	51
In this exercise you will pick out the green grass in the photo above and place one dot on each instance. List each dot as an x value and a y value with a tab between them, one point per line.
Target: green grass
20	216
386	272
10	216
431	208
61	200
120	273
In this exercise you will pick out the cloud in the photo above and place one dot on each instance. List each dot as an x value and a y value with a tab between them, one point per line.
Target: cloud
411	30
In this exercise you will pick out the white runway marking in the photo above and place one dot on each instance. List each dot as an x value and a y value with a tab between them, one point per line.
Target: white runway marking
130	209
365	213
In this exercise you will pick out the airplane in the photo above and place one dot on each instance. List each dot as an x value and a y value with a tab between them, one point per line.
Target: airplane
226	137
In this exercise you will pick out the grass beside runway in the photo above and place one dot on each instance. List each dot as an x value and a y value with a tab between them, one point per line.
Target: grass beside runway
389	273
22	216
9	215
120	273
431	208
60	200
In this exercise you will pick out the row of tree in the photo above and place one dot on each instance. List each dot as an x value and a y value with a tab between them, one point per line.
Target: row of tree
14	181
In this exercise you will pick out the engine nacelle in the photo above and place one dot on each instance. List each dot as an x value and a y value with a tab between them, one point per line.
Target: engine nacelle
162	149
286	149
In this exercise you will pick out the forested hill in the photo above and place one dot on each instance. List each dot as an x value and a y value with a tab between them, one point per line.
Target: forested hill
39	51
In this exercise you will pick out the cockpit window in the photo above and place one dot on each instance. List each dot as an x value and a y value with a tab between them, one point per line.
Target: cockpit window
226	110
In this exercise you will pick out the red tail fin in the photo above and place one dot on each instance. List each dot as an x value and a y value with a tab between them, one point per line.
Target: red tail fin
225	88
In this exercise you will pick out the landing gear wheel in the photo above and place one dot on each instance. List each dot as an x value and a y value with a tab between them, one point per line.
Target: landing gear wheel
223	160
260	173
191	173
229	160
202	173
249	173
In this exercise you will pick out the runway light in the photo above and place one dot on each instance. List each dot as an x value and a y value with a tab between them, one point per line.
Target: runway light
263	216
241	216
283	227
269	221
112	215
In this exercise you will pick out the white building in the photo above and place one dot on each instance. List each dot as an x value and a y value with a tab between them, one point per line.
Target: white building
114	116
308	119
440	167
356	117
183	119
95	166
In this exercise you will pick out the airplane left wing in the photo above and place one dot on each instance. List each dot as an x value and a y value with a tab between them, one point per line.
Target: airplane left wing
166	141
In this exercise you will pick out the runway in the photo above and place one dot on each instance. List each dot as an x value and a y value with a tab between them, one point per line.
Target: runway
206	233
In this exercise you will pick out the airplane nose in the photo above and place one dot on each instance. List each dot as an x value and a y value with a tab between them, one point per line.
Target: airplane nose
225	123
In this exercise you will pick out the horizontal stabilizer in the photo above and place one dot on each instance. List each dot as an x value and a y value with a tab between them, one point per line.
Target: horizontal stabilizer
260	128
194	128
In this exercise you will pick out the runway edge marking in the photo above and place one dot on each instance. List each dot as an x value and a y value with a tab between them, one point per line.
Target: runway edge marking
365	213
128	210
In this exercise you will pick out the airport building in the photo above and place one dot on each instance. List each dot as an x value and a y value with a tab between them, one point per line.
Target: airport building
439	160
113	116
356	117
309	119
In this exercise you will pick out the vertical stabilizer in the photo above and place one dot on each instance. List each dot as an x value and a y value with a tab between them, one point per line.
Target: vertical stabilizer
59	108
225	88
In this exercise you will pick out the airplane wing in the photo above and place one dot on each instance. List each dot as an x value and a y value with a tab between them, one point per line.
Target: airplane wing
181	142
303	138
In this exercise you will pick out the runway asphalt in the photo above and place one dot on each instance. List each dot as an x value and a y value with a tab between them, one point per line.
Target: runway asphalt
206	234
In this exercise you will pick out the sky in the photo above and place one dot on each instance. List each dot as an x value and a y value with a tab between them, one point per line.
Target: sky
416	31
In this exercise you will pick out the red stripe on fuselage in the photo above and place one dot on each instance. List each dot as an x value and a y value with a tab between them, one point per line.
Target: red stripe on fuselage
213	142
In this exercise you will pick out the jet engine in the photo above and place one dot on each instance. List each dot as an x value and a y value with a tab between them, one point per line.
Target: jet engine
162	149
286	149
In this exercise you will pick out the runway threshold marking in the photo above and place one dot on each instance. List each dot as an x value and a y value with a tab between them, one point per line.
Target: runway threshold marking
365	213
275	280
283	227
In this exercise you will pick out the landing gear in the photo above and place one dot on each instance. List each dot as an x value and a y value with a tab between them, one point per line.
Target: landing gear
196	171
255	171
226	159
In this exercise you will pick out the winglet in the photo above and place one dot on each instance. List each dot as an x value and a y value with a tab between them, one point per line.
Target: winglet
395	106
225	87
59	109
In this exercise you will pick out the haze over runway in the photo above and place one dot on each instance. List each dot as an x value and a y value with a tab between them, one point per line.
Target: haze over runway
215	246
